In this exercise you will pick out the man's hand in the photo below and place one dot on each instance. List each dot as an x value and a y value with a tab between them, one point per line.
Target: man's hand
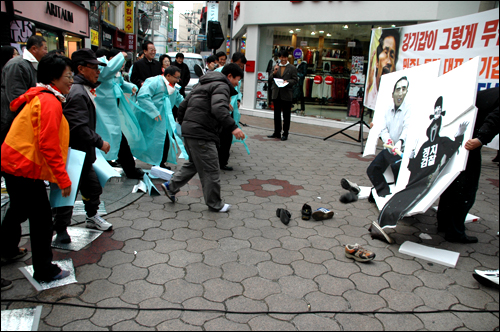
371	125
473	144
124	54
231	108
238	133
239	104
66	191
462	128
105	147
398	146
275	69
134	90
158	118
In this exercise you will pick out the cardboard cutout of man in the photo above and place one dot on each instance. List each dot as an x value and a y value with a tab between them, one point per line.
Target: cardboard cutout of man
425	168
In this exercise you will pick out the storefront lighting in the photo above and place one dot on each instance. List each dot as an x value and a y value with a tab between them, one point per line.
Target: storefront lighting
291	31
297	29
379	28
346	26
394	25
313	33
321	32
328	35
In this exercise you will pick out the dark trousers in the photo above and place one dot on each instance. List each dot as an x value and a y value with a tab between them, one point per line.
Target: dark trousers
28	200
285	107
203	159
166	147
226	139
125	157
457	200
91	190
377	168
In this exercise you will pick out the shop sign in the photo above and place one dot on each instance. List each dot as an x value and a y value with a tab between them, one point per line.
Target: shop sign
120	40
107	39
59	12
20	31
303	43
454	41
297	53
129	16
94	37
130	42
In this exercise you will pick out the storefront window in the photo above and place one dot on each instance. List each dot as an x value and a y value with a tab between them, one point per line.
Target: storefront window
327	52
51	38
72	44
108	11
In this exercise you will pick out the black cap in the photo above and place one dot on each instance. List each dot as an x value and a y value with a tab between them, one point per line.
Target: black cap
86	55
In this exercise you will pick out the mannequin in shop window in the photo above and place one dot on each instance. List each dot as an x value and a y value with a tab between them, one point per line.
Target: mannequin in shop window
282	97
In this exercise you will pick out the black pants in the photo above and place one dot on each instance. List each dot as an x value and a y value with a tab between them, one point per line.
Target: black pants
456	202
166	147
91	190
285	107
226	138
28	200
377	168
125	157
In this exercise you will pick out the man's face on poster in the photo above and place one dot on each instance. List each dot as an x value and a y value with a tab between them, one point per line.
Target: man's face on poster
387	58
399	93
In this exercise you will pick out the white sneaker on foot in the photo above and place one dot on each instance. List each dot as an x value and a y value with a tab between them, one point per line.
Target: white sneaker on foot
225	208
487	278
96	222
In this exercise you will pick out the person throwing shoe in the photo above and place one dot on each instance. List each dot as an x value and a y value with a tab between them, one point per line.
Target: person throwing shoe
203	114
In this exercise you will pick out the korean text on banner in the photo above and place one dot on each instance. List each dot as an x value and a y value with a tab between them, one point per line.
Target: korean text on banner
454	41
74	165
129	16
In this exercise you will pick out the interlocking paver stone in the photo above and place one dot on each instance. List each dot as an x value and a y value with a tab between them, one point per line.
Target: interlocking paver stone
308	270
200	272
368	284
218	290
124	273
140	290
153	318
401	301
315	323
179	290
437	299
161	273
105	318
148	258
360	301
100	290
252	257
272	271
182	258
257	288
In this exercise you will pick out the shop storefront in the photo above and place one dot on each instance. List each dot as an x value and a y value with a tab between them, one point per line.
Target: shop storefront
63	24
332	55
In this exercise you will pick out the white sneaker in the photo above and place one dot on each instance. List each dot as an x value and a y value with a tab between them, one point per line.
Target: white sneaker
487	278
96	222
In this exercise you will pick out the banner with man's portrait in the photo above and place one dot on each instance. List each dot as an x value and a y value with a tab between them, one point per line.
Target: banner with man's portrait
453	41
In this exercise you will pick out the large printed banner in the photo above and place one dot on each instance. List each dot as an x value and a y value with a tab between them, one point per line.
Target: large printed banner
454	41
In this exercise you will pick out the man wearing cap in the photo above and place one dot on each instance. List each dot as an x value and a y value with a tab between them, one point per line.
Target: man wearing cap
80	112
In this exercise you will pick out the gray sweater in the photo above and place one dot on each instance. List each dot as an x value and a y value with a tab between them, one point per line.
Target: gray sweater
18	76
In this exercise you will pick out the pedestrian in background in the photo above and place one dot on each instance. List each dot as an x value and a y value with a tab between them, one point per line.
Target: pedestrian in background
146	67
18	76
282	97
165	62
221	58
80	111
34	151
185	74
8	52
139	57
211	64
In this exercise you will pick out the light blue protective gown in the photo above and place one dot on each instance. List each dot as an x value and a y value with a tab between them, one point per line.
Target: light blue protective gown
154	100
236	112
113	118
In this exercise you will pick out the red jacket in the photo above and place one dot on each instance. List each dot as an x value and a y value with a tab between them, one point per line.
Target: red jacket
36	146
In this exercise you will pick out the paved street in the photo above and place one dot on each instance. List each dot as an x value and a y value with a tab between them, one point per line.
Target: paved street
165	255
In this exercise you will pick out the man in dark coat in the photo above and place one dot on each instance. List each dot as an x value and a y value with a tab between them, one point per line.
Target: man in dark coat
80	112
185	74
456	202
282	97
203	114
146	67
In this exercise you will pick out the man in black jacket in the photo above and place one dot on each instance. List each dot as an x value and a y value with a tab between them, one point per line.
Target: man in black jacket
185	74
79	111
203	114
146	67
456	202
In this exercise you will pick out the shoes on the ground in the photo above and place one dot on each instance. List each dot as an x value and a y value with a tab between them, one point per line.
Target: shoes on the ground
136	174
226	168
225	208
358	253
167	191
162	165
61	275
378	233
274	136
284	216
348	185
464	239
6	284
487	278
322	214
63	236
20	254
97	222
349	197
306	212
284	137
114	163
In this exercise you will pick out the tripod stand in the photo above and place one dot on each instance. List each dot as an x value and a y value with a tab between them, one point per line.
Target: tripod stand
361	122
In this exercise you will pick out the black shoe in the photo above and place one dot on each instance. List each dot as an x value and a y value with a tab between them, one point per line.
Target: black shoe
137	174
465	239
348	185
162	165
371	199
284	216
284	137
226	168
114	163
306	212
378	233
63	236
349	197
274	136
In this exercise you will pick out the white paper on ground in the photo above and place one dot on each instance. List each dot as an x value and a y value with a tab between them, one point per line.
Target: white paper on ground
26	319
103	169
439	256
64	264
74	165
140	186
80	238
468	219
162	173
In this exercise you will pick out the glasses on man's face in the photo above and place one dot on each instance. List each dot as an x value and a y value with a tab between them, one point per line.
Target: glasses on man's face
70	77
94	68
177	77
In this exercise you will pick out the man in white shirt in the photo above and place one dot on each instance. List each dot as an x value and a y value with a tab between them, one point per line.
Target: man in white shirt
395	131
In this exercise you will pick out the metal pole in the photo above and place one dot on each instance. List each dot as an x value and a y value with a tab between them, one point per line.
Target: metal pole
136	31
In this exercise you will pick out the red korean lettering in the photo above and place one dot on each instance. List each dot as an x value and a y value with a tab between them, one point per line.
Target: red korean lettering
486	67
128	19
458	62
494	68
422	40
406	42
431	39
447	46
448	65
406	63
129	11
470	35
458	33
414	62
490	32
413	43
